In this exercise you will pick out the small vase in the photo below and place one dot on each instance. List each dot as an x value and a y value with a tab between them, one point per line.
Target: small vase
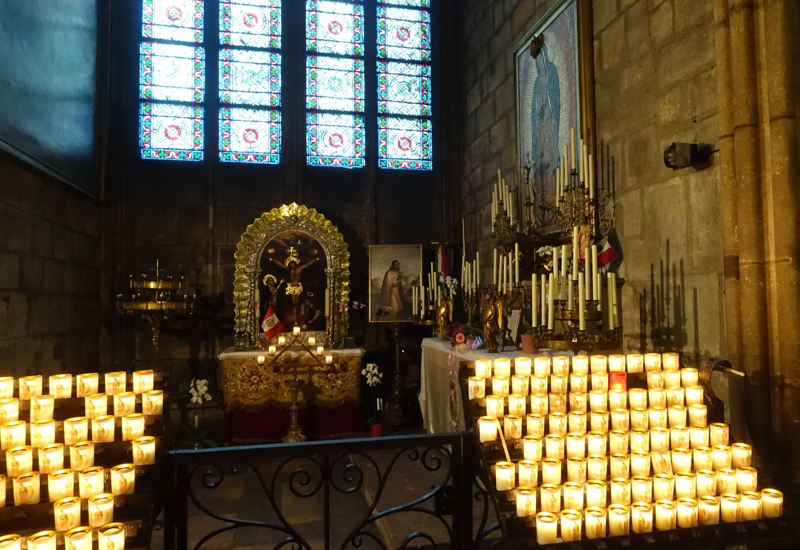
376	429
528	346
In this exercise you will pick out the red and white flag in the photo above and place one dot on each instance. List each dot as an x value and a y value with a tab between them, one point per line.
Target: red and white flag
610	248
271	324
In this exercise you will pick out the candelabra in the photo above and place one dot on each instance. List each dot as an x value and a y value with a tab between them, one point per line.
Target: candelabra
294	434
155	299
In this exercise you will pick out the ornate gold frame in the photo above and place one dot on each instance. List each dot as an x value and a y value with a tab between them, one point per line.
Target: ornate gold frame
289	217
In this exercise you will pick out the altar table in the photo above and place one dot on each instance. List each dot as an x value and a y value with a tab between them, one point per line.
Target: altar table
440	392
257	397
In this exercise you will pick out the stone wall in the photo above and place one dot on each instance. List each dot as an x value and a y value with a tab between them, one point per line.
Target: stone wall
655	84
49	275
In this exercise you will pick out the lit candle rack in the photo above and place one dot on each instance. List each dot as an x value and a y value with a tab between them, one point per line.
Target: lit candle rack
701	486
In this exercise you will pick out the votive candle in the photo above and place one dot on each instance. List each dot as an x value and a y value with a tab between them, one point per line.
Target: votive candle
620	419
81	455
91	481
557	423
6	387
597	467
495	406
550	498
60	484
30	387
730	507
598	400
67	513
616	363
640	419
666	515
675	396
751	505
116	382
512	427
577	402
43	540
520	384
526	501
637	398
652	362
87	384
702	458
596	493
772	502
599	363
677	416
26	489
504	476
103	428
599	420
132	426
719	433
679	437
620	465
51	457
560	364
12	542
19	460
576	469
143	381
640	463
641	489
661	461
618	441
101	509
634	362
706	483
595	522
272	350
79	538
123	479
483	368
681	460
580	364
672	379
572	495
111	536
558	403
657	398
658	417
96	405
124	403
621	490
76	429
522	366
517	405
153	402
531	448
687	512
528	472
312	341
597	443
576	445
659	439
578	382
698	415
708	510
741	455
502	367
618	520
60	386
689	377
577	422
641	517
663	487
698	436
9	410
487	427
694	395
640	440
541	366
539	384
546	528
655	380
500	385
599	381
685	485
746	479
42	407
554	446
570	525
558	383
722	457
617	399
551	471
726	481
534	425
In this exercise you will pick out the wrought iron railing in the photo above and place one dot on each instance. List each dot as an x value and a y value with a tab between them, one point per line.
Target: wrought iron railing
439	514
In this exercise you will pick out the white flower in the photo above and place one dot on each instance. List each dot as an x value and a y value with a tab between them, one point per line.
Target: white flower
208	397
448	279
441	279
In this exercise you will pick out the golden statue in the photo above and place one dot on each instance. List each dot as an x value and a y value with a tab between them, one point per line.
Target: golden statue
444	316
489	320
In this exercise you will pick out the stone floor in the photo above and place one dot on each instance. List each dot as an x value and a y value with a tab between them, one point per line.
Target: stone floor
242	496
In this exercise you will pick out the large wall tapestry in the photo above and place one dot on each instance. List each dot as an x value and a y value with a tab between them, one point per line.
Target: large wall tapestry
549	103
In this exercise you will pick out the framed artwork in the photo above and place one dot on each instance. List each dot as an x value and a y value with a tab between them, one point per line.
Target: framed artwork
394	270
555	93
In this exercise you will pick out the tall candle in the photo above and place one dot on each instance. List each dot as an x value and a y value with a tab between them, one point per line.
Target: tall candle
534	302
575	253
516	263
581	303
573	151
588	273
610	302
550	303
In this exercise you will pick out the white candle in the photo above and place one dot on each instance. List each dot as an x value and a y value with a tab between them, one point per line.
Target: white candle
685	485
516	263
581	303
597	443
494	269
67	513
634	361
582	155
14	542
123	479
42	407
543	321
576	469
661	461
91	481
103	429
618	520
144	450
551	471
591	181
618	441
577	421
640	440
640	463
689	377
26	489
19	460
512	427
554	446
476	387
43	432
111	536
101	509
539	403
9	410
706	483
772	502
570	526
60	484
610	303
731	507
702	458
746	479
526	501
575	253
557	423
641	517
588	273
534	302
550	306
532	445
652	361
694	395
597	467
43	540
681	459
709	511
663	487
550	497
528	473
517	404
722	457
500	385
658	417
60	386
677	416
719	433
495	406
621	490
687	512
620	466
596	522
666	515
30	387
504	476
487	427
546	528
742	455
573	152
51	457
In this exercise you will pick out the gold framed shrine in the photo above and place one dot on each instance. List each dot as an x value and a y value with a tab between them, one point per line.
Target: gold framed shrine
294	260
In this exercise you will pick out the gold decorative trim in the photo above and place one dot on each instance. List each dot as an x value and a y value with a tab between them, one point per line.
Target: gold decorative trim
289	217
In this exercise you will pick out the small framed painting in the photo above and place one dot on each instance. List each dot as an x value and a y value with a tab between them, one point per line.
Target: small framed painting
394	270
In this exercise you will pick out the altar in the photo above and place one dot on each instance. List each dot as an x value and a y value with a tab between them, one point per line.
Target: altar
257	396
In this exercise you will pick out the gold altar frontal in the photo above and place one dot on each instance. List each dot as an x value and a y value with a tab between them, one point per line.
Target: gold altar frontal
252	387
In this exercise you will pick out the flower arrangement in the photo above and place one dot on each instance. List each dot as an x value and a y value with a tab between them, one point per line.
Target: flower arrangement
198	389
449	283
466	337
374	378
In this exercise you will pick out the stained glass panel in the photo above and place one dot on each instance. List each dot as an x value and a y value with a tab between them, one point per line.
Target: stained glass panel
171	72
335	140
414	3
403	34
404	144
249	135
171	131
251	77
404	89
251	23
334	84
180	20
334	27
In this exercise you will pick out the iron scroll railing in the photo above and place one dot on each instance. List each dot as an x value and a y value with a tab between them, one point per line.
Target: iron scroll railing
439	513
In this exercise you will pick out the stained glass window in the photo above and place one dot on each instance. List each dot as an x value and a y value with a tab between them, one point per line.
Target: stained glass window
250	81
171	80
335	83
170	131
404	143
404	85
335	140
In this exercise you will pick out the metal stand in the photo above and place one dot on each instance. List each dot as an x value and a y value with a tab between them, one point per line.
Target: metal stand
396	409
293	435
